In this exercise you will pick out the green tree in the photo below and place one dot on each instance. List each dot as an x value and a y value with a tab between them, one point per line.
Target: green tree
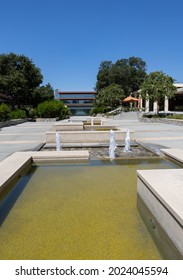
129	73
103	76
18	78
109	97
41	94
52	109
157	86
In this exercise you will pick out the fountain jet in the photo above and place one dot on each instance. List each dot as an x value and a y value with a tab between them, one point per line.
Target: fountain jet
112	146
127	142
58	142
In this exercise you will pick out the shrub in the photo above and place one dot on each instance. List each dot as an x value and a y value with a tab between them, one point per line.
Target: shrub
18	114
98	110
52	109
4	112
33	113
65	113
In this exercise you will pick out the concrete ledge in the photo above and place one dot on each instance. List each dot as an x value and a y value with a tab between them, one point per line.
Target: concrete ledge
87	136
85	145
11	167
100	127
79	126
176	154
86	119
162	192
59	156
69	126
164	244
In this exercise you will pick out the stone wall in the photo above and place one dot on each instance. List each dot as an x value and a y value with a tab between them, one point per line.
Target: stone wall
13	122
161	120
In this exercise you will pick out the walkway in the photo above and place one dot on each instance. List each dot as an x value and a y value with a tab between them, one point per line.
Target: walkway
23	137
166	135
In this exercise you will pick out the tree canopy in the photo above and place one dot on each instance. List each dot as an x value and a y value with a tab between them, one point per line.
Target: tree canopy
128	73
18	78
41	94
109	97
157	86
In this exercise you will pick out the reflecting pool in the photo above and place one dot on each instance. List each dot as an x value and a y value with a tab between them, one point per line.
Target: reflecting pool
77	211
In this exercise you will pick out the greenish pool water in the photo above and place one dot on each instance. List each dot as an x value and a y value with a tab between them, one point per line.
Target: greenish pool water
79	211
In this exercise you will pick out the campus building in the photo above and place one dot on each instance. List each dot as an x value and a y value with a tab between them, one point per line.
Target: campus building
79	102
167	105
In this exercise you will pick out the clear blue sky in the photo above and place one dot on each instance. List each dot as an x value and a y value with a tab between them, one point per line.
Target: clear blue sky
68	39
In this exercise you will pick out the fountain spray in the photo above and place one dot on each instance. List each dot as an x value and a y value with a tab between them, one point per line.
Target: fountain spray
58	142
112	146
127	142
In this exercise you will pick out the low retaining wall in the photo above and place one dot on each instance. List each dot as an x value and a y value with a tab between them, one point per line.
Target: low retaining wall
100	127
69	126
79	126
12	167
161	120
85	119
13	122
162	191
97	137
175	154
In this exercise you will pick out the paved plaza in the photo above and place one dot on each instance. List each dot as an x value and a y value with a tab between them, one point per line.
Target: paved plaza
167	135
22	137
30	135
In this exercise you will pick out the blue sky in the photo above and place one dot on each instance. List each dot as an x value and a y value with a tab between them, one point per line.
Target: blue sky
68	39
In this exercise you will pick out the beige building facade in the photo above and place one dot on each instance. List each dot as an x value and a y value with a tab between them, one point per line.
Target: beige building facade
174	104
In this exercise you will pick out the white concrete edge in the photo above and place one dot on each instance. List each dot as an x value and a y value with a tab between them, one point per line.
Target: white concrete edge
176	154
12	166
60	154
90	134
156	180
167	221
173	177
